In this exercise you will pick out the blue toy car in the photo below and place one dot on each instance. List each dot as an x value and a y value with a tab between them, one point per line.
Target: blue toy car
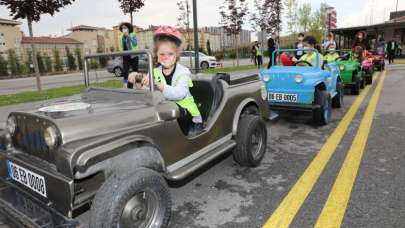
305	88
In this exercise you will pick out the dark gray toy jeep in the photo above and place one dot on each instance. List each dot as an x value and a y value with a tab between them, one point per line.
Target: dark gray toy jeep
112	151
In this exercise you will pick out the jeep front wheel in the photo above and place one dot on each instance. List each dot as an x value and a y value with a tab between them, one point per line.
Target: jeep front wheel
357	85
337	101
140	199
251	141
322	115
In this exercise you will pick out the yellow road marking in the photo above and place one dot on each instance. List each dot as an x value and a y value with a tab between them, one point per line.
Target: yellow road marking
335	207
286	211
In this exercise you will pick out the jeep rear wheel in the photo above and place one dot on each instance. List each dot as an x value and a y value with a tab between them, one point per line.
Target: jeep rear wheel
139	199
323	114
251	141
337	101
357	85
369	80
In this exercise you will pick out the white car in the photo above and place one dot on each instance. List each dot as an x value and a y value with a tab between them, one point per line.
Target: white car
187	59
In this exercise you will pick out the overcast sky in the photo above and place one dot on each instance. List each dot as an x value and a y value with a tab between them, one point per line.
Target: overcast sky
106	13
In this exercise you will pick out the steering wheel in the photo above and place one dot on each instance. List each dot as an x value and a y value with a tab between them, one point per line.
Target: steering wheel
303	61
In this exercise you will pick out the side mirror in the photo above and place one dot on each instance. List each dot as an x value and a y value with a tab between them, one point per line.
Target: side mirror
168	111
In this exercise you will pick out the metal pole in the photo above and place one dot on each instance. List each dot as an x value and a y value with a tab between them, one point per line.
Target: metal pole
86	73
196	42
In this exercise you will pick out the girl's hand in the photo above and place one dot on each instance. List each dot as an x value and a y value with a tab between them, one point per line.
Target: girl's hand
160	86
145	80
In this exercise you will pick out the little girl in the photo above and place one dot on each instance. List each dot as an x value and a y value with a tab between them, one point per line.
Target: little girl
172	78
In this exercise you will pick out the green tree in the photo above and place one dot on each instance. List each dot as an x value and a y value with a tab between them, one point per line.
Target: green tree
304	16
29	64
131	6
48	63
57	62
79	58
291	15
14	63
102	60
71	60
3	66
40	61
317	26
32	11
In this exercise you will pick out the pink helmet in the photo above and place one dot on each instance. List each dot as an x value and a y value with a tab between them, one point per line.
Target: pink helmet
168	31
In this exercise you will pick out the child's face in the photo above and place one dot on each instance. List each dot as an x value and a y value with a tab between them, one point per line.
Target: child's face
308	45
167	54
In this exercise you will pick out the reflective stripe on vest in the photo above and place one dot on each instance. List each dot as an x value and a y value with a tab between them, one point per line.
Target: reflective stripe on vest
187	103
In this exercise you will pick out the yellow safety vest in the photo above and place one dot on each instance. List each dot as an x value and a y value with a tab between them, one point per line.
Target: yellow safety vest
330	58
187	103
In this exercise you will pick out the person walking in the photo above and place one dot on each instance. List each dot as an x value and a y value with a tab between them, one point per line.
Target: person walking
253	54
259	55
271	48
299	45
330	42
127	41
391	50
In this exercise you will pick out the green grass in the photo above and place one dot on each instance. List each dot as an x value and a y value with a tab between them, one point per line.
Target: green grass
32	96
229	69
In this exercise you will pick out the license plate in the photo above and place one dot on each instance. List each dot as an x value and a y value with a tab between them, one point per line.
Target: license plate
27	178
286	97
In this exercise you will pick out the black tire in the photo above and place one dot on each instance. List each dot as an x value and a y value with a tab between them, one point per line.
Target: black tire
323	114
357	85
337	101
363	82
369	80
205	65
383	66
121	196
251	130
118	72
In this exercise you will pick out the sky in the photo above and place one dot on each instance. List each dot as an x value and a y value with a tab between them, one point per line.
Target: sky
106	13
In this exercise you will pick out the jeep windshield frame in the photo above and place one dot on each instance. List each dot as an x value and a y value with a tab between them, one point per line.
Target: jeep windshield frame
278	51
120	54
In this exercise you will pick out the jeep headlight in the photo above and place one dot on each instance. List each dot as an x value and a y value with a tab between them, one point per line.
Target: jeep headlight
50	136
11	125
266	78
263	91
341	67
299	79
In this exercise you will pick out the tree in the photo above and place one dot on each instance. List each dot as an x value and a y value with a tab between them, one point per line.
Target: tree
3	66
291	15
79	58
209	50
267	17
317	26
71	60
102	60
304	16
233	14
183	21
14	63
48	63
32	11
131	6
58	65
40	62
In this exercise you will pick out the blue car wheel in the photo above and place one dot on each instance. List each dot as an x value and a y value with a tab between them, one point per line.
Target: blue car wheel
323	113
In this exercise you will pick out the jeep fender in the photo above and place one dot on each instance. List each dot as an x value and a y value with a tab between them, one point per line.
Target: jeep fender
245	103
124	159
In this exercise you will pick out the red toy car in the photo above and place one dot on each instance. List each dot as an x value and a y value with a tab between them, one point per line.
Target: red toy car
378	59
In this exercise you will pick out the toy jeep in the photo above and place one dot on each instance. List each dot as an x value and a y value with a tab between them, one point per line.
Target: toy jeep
351	72
114	149
305	88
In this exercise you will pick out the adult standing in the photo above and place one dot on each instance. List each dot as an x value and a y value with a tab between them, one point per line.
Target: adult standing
127	41
380	46
253	54
271	48
391	50
330	42
299	45
361	40
259	55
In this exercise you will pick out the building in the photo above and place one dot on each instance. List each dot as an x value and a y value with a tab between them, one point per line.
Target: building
94	39
47	46
10	36
228	41
392	29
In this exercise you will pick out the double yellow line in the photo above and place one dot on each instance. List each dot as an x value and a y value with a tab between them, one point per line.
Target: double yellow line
335	207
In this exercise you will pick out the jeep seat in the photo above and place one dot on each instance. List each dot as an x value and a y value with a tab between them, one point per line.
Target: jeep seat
208	95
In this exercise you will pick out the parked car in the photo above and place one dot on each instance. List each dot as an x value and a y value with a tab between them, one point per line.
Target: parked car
351	72
115	66
304	88
205	61
114	149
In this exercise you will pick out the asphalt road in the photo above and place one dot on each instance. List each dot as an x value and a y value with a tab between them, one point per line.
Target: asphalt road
12	86
295	184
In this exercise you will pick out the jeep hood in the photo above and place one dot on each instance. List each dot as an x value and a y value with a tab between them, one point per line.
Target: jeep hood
294	70
96	112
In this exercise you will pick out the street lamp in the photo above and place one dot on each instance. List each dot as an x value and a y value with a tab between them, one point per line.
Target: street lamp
196	47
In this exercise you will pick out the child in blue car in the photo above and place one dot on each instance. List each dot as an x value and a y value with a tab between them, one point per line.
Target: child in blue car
310	56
